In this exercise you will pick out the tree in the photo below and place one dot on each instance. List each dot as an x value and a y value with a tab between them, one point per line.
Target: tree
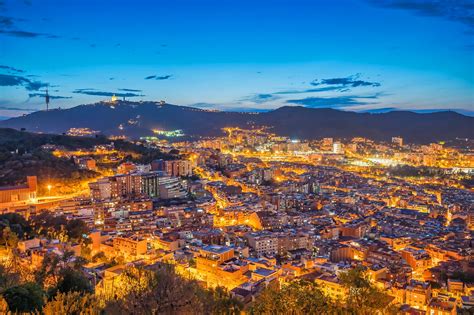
72	303
51	268
159	290
3	306
16	223
218	301
50	225
9	239
299	297
26	297
8	278
76	229
12	270
363	297
73	281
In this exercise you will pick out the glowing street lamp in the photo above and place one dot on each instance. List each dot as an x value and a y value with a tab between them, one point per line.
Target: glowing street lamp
49	188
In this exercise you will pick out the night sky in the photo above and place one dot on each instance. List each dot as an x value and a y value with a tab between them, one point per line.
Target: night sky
239	55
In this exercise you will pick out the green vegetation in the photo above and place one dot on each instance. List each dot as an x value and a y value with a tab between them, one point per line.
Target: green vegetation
412	171
21	155
24	297
15	167
299	297
305	297
60	285
159	290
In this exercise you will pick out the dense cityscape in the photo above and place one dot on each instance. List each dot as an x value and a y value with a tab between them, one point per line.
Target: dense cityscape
250	157
246	222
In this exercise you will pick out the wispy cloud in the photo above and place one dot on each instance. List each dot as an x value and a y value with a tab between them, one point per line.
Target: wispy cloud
54	97
15	80
26	34
6	21
261	98
342	84
9	112
159	77
314	90
228	107
334	102
17	108
130	90
461	11
8	68
95	92
350	81
8	28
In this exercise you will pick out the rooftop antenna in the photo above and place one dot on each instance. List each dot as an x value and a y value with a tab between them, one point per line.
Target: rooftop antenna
47	99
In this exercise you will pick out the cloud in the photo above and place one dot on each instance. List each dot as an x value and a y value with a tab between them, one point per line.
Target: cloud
204	105
157	77
6	21
350	81
95	92
7	28
334	102
17	108
461	11
15	80
261	98
314	90
23	34
343	84
53	97
7	112
227	107
11	69
130	90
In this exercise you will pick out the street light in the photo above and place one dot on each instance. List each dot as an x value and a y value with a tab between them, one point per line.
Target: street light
49	189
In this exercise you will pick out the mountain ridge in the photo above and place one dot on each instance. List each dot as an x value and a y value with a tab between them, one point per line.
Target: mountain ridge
135	119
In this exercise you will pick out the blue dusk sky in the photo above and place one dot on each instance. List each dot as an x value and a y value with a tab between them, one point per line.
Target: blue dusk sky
357	55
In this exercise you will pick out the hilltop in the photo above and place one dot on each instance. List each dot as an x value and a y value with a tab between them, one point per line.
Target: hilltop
135	119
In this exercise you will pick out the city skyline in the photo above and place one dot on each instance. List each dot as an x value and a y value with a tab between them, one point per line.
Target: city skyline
253	56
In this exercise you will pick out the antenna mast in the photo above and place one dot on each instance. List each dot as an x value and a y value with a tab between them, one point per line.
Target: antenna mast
47	100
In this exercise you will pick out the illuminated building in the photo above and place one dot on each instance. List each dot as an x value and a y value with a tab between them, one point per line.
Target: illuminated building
132	246
217	265
169	133
440	307
25	192
470	219
327	142
150	184
263	243
102	189
398	141
337	148
126	167
418	294
332	287
86	163
174	168
81	132
171	187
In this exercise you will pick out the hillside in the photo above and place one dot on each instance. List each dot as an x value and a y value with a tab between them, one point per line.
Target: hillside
21	155
135	119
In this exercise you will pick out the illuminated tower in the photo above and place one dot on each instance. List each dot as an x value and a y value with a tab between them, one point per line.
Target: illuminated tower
47	100
114	98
